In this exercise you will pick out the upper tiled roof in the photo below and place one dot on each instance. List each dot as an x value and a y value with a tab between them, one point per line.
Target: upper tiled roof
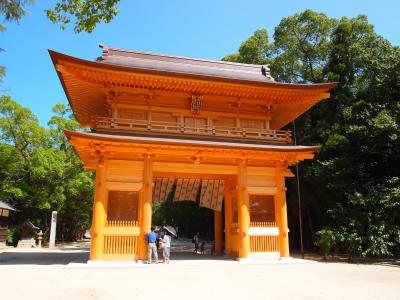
184	65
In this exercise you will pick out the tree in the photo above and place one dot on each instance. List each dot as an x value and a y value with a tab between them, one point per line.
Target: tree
349	187
78	184
13	10
87	14
255	50
40	172
301	43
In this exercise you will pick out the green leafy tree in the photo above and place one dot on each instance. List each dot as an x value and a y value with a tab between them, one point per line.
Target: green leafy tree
255	50
84	14
87	14
349	187
301	43
78	184
326	240
13	10
40	172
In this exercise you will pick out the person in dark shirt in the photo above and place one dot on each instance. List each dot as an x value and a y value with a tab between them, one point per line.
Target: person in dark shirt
196	240
151	239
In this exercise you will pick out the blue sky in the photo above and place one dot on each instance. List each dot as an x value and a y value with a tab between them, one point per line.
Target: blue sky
206	29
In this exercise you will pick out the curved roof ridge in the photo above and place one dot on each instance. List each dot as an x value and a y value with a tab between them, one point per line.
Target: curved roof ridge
127	56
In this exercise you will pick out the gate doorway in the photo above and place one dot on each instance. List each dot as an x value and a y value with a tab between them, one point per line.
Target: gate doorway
217	224
191	203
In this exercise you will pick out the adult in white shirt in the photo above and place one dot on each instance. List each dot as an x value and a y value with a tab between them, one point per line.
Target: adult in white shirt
167	248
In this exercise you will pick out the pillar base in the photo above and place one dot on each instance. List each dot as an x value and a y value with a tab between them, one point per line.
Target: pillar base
285	258
265	255
244	259
112	263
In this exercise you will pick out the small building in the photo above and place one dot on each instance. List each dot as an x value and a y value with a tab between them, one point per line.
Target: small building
204	126
5	210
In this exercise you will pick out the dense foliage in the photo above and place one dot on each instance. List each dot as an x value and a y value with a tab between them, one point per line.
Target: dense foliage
39	172
352	187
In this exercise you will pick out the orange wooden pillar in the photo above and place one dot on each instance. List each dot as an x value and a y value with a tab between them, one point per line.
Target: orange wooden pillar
281	211
243	210
99	212
218	231
146	202
228	217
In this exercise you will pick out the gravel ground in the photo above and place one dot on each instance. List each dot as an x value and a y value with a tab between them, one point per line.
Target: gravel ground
63	274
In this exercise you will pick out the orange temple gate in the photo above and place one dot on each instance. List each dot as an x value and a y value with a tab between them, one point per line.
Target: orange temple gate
157	116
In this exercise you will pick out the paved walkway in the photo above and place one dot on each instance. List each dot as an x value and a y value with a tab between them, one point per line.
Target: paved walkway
63	274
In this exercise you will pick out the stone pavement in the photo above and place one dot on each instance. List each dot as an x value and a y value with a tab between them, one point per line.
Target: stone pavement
63	274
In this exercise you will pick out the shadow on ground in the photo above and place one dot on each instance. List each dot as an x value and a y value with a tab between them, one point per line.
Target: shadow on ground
383	261
43	257
181	250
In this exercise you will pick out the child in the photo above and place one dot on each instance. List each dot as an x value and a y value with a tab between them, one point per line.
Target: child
202	247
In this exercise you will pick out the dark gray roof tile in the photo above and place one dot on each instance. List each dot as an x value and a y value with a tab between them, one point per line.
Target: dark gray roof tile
185	65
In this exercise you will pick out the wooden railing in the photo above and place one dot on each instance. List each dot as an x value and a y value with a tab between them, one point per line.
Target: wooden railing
262	224
264	241
275	136
264	244
121	223
120	245
121	239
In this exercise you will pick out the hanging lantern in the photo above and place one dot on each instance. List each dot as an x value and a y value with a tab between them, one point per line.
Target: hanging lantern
195	106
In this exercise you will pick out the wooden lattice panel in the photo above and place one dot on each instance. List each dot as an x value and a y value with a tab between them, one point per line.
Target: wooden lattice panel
119	223
120	244
263	224
264	244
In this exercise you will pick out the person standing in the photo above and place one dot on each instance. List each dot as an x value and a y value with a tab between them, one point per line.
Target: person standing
196	240
151	239
166	248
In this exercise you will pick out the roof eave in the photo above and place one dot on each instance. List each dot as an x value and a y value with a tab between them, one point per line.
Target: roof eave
192	143
55	56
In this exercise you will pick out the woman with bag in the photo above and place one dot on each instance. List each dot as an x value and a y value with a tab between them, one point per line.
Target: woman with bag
166	241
